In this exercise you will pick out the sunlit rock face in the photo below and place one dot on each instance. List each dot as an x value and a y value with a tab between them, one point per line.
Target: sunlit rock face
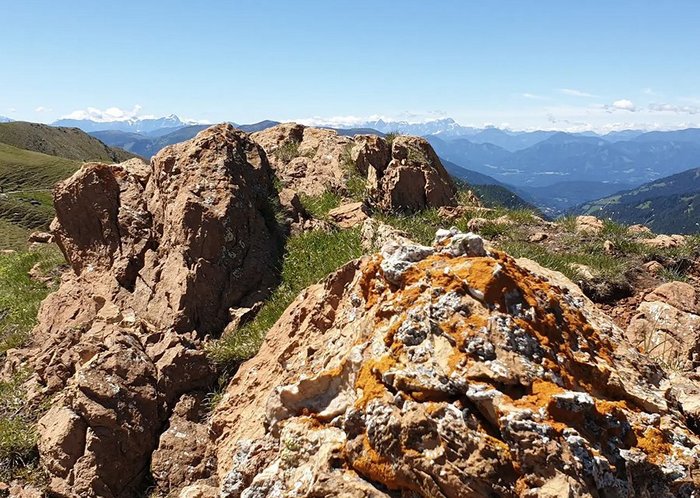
450	371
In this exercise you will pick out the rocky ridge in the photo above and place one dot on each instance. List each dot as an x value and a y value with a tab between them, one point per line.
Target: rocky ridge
403	175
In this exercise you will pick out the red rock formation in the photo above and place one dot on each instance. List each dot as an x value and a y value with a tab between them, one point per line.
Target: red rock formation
414	179
160	255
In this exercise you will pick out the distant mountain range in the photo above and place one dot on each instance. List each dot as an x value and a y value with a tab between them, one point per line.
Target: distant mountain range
565	170
4	119
670	204
147	145
136	125
556	171
446	127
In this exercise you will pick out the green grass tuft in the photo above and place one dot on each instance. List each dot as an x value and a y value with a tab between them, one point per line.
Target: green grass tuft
18	417
609	267
20	296
287	151
356	184
390	137
309	258
319	206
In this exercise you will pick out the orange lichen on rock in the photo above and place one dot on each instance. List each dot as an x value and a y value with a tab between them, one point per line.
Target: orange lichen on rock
652	441
540	397
377	468
472	375
369	381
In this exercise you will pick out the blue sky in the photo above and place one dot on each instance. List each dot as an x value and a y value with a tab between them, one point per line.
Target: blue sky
521	64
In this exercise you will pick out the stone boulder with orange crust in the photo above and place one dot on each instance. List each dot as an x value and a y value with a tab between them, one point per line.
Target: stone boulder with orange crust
450	371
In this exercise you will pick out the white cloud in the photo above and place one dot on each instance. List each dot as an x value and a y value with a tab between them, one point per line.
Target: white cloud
41	108
572	92
675	109
106	115
624	105
350	121
196	121
533	96
649	91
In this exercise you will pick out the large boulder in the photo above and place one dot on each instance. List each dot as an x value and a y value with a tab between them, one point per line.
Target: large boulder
161	257
666	326
414	179
450	371
308	160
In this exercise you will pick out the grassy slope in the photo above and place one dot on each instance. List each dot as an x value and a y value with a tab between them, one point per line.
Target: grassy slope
23	169
666	205
68	143
26	179
309	258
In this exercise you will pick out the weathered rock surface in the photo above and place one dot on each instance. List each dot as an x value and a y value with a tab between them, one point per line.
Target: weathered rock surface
451	371
40	237
667	325
407	175
589	224
375	234
370	151
181	457
414	179
639	230
349	215
680	295
664	241
160	255
307	160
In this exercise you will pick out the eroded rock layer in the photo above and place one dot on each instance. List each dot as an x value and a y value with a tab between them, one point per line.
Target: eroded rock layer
159	255
451	371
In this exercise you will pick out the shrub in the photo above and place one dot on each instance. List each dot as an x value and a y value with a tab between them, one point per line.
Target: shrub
287	151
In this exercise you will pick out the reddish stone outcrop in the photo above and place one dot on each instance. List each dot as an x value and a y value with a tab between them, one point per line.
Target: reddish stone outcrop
160	255
309	161
414	179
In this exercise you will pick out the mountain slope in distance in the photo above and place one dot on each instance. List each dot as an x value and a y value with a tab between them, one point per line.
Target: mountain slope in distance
667	205
490	191
69	143
26	180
